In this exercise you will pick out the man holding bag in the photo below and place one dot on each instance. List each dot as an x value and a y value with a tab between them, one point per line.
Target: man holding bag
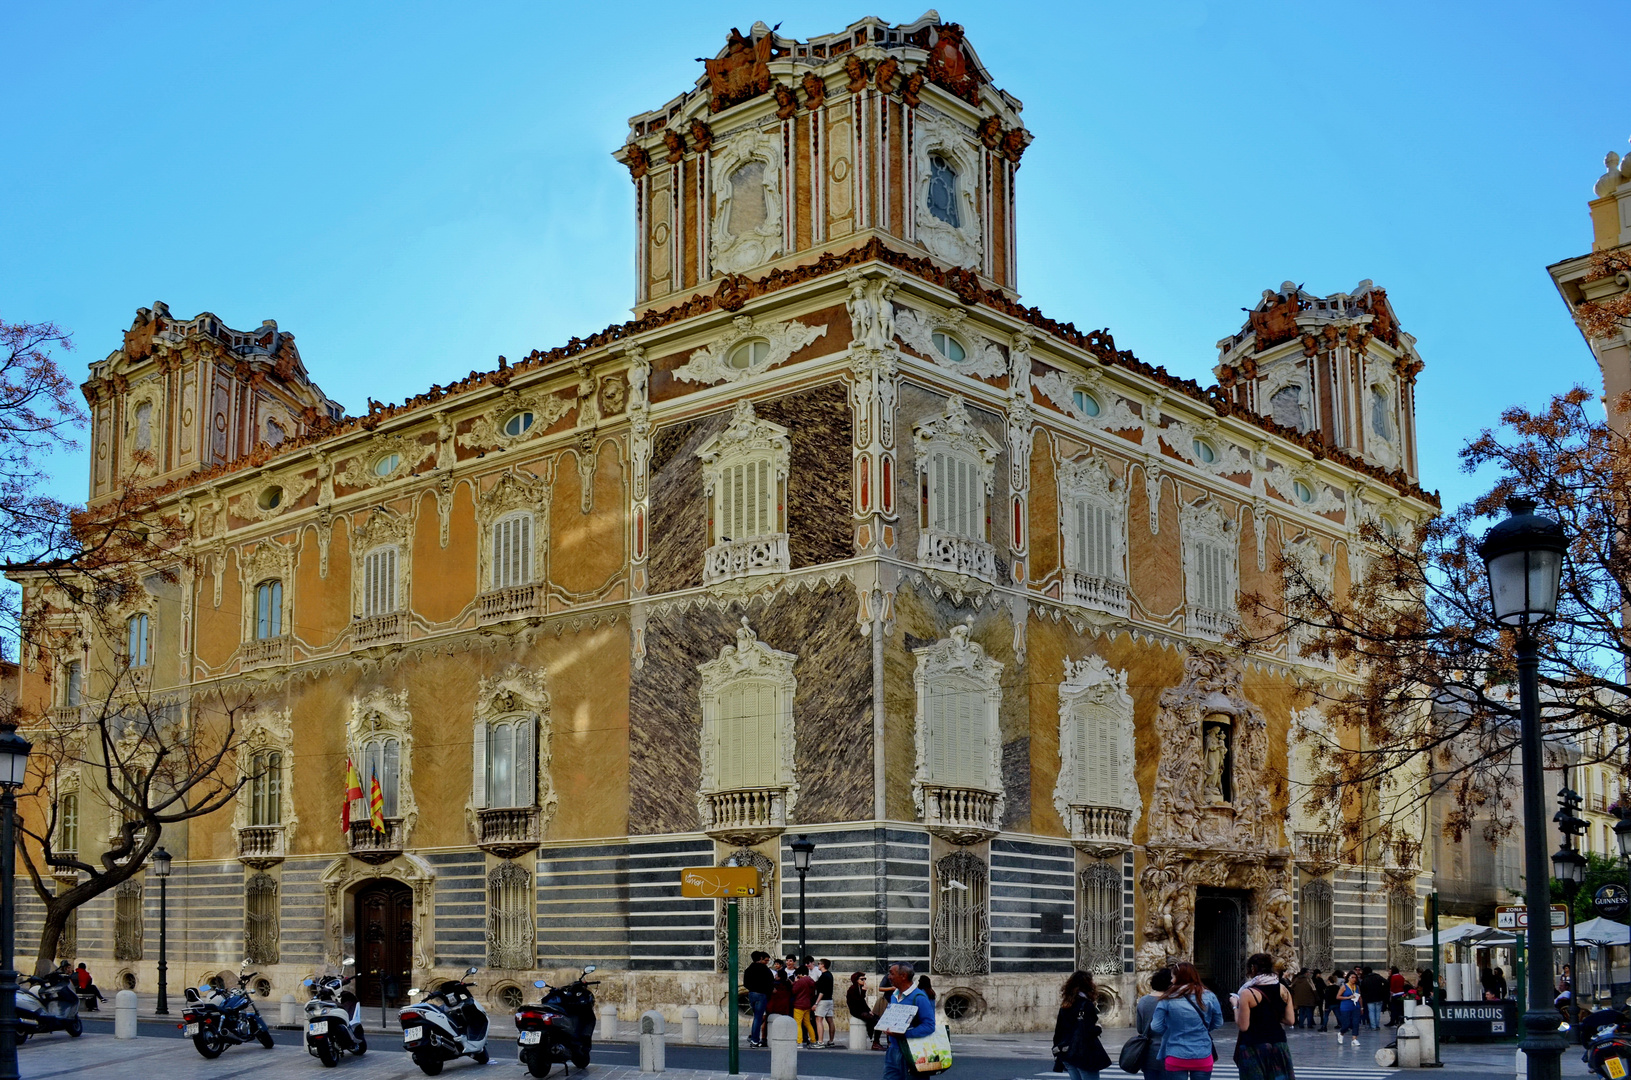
898	1062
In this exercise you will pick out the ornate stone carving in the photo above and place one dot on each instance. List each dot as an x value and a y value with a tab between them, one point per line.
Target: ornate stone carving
711	365
747	223
362	469
512	831
949	67
381	712
957	244
264	731
519	490
956	810
487	429
272	496
871	312
378	527
747	442
916	328
1114	413
958	562
745	823
743	72
344	875
1094	693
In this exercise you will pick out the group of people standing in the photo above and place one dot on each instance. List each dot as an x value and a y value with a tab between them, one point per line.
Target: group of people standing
801	989
1355	997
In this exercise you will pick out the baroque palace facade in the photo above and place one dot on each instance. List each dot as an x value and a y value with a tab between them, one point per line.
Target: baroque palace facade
835	538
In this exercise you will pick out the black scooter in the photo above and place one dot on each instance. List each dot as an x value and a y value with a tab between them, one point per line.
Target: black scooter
47	1003
560	1028
216	1019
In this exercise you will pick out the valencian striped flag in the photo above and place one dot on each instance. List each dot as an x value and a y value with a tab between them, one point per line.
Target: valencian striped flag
376	802
353	796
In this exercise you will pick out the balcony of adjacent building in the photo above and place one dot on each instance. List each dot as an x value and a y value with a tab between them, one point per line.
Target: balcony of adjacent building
1316	849
261	846
1095	593
962	815
264	652
961	559
1210	623
370	630
510	602
731	560
65	873
509	831
66	717
743	817
1100	830
372	846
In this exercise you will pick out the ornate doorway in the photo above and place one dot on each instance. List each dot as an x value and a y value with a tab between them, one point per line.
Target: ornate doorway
1220	940
384	941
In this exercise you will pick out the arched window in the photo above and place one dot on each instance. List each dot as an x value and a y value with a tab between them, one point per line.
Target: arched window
511	762
266	788
381	758
387	464
512	550
1380	407
269	609
68	823
379	582
943	190
519	423
510	918
949	347
73	683
748	354
747	717
137	639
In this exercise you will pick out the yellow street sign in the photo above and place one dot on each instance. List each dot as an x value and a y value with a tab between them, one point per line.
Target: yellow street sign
713	882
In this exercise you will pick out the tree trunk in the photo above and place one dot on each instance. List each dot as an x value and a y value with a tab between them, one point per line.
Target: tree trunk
56	920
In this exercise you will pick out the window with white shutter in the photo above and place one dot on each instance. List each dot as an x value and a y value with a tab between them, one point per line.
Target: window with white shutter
1212	586
512	551
511	762
748	735
744	480
1098	756
379	582
956	495
959	736
747	500
1094	548
747	727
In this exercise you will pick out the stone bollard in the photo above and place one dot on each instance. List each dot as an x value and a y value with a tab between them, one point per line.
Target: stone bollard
607	1027
857	1034
652	1030
288	1012
124	1014
784	1048
1427	1029
1409	1040
690	1026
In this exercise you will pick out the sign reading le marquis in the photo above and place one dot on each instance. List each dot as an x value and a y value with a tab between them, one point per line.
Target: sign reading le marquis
1516	917
713	882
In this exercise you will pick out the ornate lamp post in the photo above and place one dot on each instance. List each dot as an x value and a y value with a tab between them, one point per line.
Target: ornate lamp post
1622	837
161	870
803	847
1569	867
1523	556
13	767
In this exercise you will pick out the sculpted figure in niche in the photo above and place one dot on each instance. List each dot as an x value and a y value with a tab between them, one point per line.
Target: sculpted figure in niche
1215	784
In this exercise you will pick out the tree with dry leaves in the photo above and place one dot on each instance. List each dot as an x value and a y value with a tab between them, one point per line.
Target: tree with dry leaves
1422	705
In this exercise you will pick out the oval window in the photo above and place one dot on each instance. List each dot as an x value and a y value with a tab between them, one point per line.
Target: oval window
1086	403
1303	491
1204	451
950	347
748	354
1390	528
271	498
386	465
519	423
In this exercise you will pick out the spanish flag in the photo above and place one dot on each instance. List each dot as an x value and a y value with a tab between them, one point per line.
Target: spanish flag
376	802
353	795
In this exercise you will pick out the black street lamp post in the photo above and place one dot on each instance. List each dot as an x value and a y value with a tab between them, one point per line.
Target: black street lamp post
803	847
13	765
161	870
1622	837
1569	867
1523	556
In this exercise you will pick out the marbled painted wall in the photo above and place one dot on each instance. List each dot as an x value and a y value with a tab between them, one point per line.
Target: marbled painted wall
832	707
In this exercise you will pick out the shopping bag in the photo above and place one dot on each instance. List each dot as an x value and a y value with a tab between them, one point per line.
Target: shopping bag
931	1053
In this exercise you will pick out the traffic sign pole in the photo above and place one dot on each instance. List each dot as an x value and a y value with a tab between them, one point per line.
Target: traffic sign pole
730	987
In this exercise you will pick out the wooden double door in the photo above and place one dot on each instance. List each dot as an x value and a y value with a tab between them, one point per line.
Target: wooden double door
384	922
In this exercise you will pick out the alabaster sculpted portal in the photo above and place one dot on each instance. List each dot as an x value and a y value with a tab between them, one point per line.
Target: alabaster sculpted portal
835	538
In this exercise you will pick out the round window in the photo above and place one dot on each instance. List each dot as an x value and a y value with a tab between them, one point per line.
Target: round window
263	987
950	347
1390	528
1304	492
386	465
748	354
271	498
958	1006
1086	403
519	423
128	980
1205	452
509	997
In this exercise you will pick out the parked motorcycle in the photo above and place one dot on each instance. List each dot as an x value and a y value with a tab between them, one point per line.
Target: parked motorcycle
1609	1053
447	1022
216	1019
333	1019
47	1003
560	1028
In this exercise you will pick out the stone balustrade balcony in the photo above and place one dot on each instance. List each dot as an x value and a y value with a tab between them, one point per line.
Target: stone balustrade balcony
376	847
1095	593
511	602
264	652
67	717
370	630
958	555
731	559
508	831
261	845
962	815
745	816
1317	848
65	873
1101	828
1207	623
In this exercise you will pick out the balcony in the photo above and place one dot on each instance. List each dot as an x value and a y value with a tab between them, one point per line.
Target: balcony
959	814
745	816
508	831
261	846
1095	593
1207	623
264	652
513	602
376	847
1101	830
370	630
1303	649
1317	849
65	873
1402	854
964	559
67	717
733	559
1597	803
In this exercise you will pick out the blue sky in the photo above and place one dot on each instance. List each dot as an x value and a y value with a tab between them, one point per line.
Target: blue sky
413	189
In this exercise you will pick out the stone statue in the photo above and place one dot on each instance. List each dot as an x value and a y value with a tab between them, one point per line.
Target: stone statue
1216	756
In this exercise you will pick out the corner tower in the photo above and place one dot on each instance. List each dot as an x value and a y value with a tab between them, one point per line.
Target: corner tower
785	150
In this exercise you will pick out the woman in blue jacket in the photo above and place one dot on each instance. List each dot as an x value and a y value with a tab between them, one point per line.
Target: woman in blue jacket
1184	1020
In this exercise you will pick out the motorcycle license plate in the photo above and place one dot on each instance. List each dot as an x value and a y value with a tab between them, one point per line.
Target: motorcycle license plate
192	1029
1615	1067
531	1038
413	1034
317	1027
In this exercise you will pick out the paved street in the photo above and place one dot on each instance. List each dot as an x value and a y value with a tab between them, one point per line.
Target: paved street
161	1052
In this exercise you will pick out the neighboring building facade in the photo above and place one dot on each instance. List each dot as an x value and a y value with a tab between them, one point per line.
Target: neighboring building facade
1597	286
835	538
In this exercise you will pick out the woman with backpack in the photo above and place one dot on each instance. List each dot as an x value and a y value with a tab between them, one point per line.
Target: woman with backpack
1184	1020
1076	1032
1262	1007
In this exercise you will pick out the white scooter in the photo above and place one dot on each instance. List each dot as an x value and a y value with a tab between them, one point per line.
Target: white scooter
48	1003
333	1019
448	1022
